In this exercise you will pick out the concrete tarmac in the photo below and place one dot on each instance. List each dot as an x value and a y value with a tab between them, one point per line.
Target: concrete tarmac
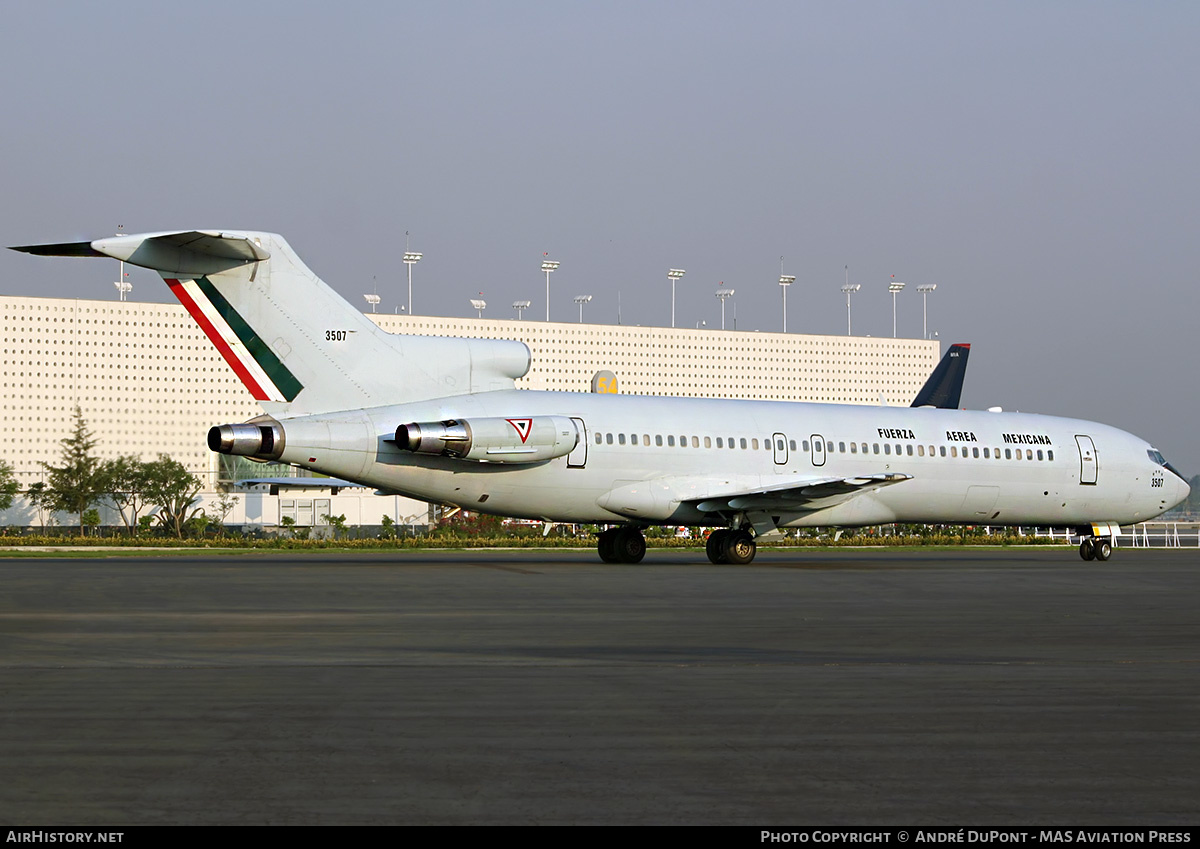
816	687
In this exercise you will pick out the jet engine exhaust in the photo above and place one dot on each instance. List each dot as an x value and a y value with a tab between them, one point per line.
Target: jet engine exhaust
261	439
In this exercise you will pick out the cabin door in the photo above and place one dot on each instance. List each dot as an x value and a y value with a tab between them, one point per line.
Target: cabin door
577	459
818	450
1088	460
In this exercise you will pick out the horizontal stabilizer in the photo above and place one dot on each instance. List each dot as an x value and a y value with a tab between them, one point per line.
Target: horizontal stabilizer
184	253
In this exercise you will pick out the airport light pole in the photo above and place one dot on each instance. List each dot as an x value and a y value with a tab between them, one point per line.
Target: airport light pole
373	300
124	287
895	288
581	300
548	265
849	289
673	275
479	304
520	307
925	289
785	280
722	294
411	258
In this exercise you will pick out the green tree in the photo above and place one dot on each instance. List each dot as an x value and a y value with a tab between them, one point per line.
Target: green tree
77	484
8	485
172	489
39	499
125	480
338	523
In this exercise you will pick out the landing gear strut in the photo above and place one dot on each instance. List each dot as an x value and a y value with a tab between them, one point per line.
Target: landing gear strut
621	545
731	546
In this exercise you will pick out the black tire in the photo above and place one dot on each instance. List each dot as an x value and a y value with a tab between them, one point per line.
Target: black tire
606	545
630	545
1087	549
740	548
715	547
1103	549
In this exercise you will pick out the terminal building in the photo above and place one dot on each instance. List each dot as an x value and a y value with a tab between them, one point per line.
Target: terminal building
148	381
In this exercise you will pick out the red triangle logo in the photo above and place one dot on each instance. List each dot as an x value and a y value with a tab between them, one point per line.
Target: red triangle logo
522	426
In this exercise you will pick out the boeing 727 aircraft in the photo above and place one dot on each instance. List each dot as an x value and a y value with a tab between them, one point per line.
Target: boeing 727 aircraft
441	420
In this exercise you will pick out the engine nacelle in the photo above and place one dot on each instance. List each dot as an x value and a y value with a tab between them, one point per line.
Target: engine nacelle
260	439
517	440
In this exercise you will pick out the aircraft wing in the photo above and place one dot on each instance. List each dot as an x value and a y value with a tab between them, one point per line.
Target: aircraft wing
808	493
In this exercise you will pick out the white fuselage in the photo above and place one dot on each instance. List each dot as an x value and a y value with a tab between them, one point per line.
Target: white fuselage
964	466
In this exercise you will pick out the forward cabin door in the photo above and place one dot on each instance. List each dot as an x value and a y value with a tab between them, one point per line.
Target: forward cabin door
818	450
780	446
1089	462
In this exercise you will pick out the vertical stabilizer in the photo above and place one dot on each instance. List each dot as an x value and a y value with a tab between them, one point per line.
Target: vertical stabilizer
944	387
297	345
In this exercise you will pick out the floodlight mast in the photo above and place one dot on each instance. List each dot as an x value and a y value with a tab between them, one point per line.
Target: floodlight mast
673	275
722	294
895	287
479	304
548	265
520	307
411	258
925	289
785	280
581	300
373	300
849	289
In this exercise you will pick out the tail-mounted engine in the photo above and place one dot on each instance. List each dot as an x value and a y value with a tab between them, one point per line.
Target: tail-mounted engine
518	440
259	439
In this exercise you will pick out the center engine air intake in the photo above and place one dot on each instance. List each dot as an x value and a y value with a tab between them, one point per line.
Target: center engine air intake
259	439
517	440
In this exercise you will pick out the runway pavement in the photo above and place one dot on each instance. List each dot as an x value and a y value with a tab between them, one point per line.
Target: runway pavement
959	688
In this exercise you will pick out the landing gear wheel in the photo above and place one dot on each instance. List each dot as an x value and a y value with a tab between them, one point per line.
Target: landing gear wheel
1103	549
630	545
606	544
715	547
740	548
1087	549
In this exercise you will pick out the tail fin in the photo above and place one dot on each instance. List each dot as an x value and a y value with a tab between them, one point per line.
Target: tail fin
944	387
297	345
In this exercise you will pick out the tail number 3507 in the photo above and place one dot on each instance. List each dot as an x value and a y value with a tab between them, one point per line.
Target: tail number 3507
335	335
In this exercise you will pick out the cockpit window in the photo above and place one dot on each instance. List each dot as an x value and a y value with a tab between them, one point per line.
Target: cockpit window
1157	457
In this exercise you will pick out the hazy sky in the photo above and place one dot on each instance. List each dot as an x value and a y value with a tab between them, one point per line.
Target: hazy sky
1037	161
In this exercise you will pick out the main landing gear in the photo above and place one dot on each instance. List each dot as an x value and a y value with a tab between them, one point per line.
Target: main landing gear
731	546
1093	548
622	545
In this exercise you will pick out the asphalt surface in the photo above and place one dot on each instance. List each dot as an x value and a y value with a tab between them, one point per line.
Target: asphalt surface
958	688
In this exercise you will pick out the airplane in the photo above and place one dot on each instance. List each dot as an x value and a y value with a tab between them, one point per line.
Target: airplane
439	419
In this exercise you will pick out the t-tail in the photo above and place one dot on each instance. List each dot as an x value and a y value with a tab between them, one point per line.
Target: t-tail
296	344
944	387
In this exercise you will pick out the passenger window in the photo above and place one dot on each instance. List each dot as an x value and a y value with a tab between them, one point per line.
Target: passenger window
920	450
621	438
658	439
779	445
708	442
829	447
754	444
908	450
841	448
942	450
1039	453
598	438
898	451
985	454
1007	453
864	448
645	439
887	448
875	447
608	438
953	451
975	453
1050	456
670	440
853	447
743	442
806	446
720	442
683	442
1028	453
792	443
695	442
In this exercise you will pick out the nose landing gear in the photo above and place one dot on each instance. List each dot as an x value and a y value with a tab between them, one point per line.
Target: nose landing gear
1095	549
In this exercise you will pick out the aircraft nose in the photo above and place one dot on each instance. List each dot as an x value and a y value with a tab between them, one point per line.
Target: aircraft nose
1182	490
